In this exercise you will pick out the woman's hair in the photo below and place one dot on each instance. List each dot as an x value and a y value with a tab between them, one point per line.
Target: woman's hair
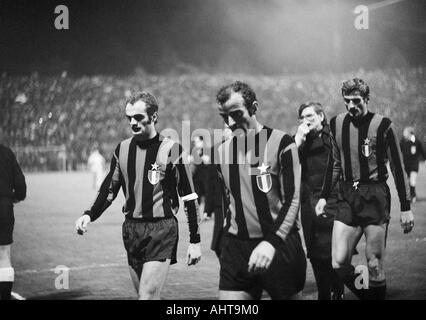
317	107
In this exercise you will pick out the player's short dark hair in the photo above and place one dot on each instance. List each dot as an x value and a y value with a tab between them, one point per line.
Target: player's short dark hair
149	99
317	108
354	85
247	93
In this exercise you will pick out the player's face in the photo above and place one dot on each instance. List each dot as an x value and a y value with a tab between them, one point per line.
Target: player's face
311	118
355	105
235	113
138	118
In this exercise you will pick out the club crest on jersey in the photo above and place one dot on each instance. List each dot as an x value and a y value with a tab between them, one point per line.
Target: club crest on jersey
154	173
263	179
413	150
366	148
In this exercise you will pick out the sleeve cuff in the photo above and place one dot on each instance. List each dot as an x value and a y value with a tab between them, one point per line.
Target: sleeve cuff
189	197
405	205
274	240
88	213
195	238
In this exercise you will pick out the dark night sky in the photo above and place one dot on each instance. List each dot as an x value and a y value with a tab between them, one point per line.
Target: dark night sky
163	36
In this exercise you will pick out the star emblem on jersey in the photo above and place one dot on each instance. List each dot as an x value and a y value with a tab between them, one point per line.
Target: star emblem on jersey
154	173
366	148
264	179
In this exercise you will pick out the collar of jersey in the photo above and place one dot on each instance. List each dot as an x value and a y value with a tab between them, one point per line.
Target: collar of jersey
144	144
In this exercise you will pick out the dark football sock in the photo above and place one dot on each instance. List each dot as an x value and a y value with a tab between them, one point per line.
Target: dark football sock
412	191
348	276
376	290
5	290
337	286
7	276
321	268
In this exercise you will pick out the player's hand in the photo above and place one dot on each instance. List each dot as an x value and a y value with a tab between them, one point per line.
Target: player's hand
319	208
407	221
206	217
302	131
82	223
194	254
261	257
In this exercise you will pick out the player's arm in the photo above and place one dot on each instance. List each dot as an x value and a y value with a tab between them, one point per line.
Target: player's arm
106	195
331	177
333	171
189	197
19	185
401	183
290	175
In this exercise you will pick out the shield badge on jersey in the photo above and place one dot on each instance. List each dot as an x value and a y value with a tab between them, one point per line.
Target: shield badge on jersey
154	174
263	179
366	148
413	150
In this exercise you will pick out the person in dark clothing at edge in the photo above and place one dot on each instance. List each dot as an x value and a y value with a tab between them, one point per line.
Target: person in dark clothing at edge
314	142
412	152
12	190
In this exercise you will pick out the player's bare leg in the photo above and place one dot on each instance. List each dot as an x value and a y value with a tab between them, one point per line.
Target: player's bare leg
135	278
6	273
344	240
234	295
153	277
374	251
412	180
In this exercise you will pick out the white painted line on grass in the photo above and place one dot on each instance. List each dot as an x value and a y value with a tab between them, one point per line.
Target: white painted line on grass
86	267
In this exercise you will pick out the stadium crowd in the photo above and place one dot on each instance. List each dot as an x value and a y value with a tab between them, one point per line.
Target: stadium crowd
40	112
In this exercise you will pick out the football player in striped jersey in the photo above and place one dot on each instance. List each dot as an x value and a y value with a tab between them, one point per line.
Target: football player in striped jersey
365	142
260	171
152	171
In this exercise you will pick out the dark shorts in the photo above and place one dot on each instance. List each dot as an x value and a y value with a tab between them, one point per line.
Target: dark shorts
7	221
369	204
285	277
150	241
411	166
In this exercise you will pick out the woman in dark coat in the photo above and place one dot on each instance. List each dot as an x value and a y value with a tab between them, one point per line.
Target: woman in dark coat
313	139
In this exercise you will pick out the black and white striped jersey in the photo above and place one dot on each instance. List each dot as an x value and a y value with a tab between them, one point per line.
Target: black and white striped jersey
263	194
362	149
152	174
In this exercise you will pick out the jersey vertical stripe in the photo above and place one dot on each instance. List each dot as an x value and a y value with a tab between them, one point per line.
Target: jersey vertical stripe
123	156
147	195
346	147
374	164
235	187
131	171
139	187
354	138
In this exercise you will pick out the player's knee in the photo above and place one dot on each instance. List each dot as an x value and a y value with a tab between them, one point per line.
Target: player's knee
339	260
336	264
374	267
149	291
